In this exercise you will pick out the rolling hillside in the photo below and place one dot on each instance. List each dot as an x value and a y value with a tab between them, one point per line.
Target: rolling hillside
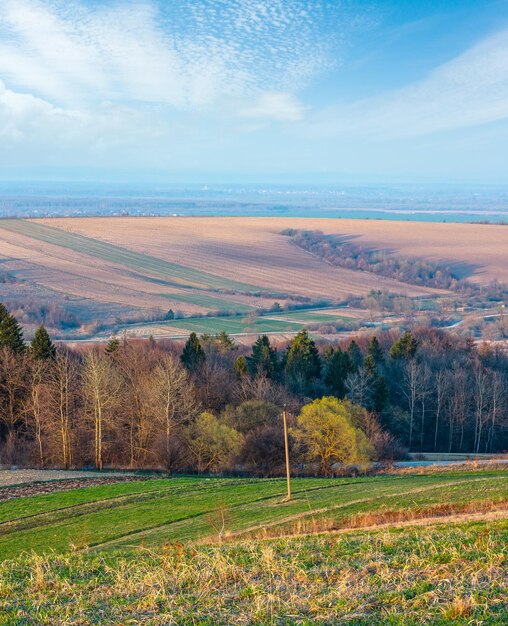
412	549
138	268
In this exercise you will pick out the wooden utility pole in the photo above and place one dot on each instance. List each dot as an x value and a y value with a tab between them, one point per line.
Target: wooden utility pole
286	446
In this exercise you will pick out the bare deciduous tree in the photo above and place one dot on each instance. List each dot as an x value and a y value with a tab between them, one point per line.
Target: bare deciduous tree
101	387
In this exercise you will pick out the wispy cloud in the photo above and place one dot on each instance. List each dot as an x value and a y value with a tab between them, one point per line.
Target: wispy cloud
186	54
96	74
469	90
275	106
196	81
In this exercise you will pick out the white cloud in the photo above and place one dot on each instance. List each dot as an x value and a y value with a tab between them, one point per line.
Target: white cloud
157	78
35	128
276	106
23	116
187	54
467	91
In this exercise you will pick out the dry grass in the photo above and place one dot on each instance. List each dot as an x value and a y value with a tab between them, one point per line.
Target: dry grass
451	575
421	516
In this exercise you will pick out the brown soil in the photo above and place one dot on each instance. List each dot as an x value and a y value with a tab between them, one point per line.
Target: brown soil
50	486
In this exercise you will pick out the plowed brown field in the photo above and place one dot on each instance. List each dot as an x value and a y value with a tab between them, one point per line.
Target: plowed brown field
250	251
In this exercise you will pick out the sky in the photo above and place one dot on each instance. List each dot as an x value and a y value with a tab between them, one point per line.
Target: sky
255	90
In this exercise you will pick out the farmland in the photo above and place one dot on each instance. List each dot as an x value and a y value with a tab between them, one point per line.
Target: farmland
394	549
271	323
133	269
155	512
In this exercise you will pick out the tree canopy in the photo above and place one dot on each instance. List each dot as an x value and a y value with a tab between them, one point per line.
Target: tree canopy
192	354
325	429
11	333
41	346
405	347
303	363
263	360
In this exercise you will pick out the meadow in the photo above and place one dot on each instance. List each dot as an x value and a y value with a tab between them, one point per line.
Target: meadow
153	513
388	549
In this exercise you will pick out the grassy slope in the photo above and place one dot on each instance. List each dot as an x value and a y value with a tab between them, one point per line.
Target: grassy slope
210	302
312	316
271	323
182	509
449	574
234	325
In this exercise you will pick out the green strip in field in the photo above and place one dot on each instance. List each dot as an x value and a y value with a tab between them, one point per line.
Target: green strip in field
315	316
235	325
122	256
209	302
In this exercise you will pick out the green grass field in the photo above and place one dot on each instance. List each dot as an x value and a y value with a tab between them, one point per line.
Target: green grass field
200	551
312	316
184	509
231	325
209	302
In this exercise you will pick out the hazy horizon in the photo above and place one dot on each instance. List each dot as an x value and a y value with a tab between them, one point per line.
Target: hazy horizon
416	202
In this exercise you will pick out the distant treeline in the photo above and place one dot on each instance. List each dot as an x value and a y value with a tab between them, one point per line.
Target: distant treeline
215	406
340	251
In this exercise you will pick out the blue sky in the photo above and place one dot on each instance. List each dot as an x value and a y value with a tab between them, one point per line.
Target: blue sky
217	90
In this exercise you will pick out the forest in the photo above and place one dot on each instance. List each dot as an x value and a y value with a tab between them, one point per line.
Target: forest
213	406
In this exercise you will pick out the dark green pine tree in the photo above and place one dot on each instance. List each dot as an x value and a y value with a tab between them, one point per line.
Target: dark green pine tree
41	346
113	345
240	368
337	368
355	356
376	352
263	360
370	366
3	312
303	363
193	355
379	395
405	347
11	333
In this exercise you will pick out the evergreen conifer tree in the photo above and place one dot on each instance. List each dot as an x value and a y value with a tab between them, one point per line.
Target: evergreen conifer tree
240	368
375	351
355	356
11	333
41	345
113	345
405	347
192	354
379	395
3	312
263	360
303	363
337	368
